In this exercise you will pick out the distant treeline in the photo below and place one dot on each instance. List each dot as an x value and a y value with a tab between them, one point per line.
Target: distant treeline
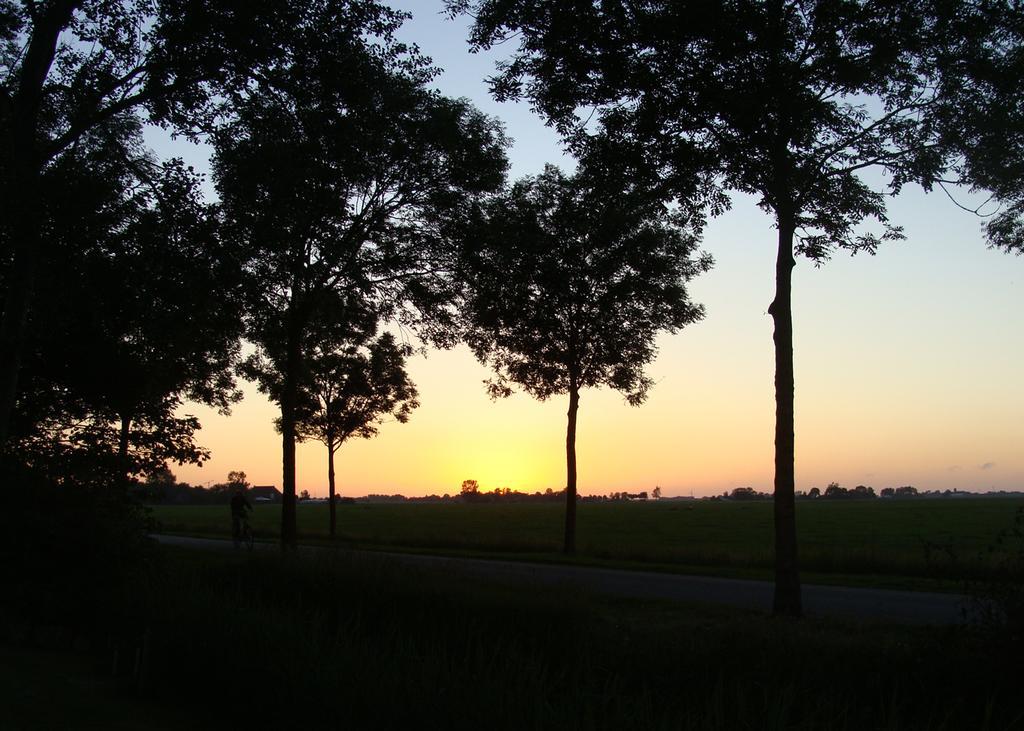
832	492
163	488
503	495
861	492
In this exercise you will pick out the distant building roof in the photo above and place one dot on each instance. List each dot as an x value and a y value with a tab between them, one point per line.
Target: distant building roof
264	492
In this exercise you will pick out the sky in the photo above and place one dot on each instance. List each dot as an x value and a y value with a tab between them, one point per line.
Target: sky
908	365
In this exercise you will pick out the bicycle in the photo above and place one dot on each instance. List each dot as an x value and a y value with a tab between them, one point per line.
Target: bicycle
244	535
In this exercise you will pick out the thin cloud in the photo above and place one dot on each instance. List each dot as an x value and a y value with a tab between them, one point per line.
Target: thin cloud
953	468
987	466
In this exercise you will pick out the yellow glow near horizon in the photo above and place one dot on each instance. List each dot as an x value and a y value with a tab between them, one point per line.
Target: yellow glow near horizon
907	366
901	378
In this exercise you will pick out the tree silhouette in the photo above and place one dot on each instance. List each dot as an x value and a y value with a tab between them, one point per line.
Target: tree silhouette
238	480
568	285
982	114
355	386
139	311
71	68
788	101
347	180
172	326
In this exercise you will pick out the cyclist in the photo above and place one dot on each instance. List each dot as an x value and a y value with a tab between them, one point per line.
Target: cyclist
240	509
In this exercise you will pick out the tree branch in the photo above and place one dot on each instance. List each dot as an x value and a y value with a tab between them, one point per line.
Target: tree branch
848	142
80	127
975	211
41	51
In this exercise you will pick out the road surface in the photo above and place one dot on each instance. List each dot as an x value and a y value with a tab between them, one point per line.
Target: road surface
900	607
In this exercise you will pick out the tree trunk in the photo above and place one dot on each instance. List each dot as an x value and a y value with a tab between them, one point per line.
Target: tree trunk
787	578
21	204
22	209
289	397
122	446
330	483
570	472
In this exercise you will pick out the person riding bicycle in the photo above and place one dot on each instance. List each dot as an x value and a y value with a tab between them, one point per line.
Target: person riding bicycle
240	509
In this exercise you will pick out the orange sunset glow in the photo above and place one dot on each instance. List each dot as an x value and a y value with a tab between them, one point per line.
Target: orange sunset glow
906	363
897	383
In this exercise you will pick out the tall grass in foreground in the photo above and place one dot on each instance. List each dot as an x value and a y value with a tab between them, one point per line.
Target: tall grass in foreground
332	643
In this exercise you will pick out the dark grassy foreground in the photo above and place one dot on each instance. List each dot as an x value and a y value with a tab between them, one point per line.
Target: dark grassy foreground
101	629
266	642
901	538
47	688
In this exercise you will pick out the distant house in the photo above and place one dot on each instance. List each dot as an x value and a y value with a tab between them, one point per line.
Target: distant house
264	494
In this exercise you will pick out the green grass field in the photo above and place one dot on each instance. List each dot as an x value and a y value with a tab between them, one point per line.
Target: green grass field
907	538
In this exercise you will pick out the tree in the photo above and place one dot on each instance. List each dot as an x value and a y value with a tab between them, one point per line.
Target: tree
568	283
785	100
355	386
139	310
470	487
656	493
169	312
71	68
863	491
982	113
347	180
237	479
835	491
814	493
223	491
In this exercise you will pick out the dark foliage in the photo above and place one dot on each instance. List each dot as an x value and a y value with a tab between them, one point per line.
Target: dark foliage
981	65
834	491
354	386
74	68
568	282
998	599
568	285
162	488
74	557
138	312
787	101
345	179
357	385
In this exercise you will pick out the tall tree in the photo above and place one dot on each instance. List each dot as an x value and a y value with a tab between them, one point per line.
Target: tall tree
787	100
354	387
347	180
568	284
70	67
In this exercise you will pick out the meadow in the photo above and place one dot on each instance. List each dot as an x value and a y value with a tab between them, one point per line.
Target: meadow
118	632
914	538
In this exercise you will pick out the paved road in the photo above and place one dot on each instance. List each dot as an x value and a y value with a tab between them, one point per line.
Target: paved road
902	607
